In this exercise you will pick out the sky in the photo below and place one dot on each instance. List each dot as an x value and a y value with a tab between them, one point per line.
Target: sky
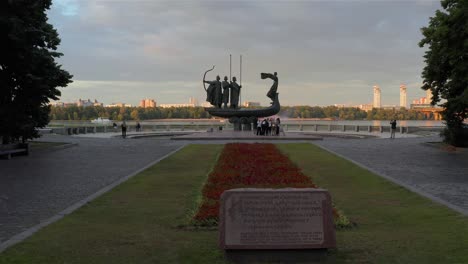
325	52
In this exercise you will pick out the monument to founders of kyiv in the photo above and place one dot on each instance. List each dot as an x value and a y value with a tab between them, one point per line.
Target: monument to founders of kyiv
219	94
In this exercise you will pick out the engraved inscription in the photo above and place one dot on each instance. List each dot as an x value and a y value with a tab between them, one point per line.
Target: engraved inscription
275	218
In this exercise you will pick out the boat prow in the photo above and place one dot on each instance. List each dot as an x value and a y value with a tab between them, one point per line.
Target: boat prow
240	112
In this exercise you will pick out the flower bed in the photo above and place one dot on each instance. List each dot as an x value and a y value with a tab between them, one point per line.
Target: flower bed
243	165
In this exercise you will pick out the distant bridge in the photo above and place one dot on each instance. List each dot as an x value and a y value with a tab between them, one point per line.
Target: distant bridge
435	112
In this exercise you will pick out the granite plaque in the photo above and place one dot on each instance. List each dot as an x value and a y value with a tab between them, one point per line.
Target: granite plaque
276	219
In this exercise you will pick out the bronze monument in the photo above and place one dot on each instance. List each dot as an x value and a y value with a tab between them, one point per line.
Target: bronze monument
241	118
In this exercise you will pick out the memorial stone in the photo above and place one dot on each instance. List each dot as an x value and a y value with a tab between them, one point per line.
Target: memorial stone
276	219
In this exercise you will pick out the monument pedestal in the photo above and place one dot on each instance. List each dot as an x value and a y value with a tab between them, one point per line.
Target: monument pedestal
242	123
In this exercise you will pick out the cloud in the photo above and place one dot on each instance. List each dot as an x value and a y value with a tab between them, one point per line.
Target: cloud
67	7
317	47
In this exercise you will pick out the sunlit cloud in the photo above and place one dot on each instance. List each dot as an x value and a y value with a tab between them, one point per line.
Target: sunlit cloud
325	52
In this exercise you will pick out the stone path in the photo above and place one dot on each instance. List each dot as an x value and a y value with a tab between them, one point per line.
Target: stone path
429	170
34	188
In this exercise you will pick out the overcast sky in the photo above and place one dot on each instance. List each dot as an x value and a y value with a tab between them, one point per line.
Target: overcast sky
325	52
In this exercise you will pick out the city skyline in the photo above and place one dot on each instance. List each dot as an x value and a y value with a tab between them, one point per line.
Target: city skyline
376	103
325	53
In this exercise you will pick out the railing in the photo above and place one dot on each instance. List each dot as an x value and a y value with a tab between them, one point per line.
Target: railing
200	127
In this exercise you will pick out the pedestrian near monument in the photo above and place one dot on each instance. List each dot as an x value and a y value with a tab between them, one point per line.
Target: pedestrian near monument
138	127
124	129
270	121
393	128
264	127
259	127
278	123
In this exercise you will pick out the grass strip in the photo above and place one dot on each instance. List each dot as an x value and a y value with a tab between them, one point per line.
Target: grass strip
139	221
393	225
136	222
40	145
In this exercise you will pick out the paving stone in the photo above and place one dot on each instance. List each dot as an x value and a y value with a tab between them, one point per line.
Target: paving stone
36	187
437	172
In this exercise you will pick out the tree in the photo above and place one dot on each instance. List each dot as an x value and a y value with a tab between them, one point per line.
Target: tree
134	115
29	75
446	70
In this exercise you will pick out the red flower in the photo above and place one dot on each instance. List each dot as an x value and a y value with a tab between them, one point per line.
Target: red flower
243	165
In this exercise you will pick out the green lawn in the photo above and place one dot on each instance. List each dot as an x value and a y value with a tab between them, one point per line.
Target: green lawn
140	220
39	145
394	225
137	222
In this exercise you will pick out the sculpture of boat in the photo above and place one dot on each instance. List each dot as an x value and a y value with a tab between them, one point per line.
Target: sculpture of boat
243	119
243	112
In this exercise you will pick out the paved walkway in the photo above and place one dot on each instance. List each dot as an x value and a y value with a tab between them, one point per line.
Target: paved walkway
427	169
34	188
249	135
244	135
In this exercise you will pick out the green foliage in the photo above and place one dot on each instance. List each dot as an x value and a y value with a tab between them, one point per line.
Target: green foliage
446	71
349	113
342	221
139	113
128	113
29	75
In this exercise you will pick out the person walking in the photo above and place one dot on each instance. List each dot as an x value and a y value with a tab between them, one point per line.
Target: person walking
393	128
124	129
138	127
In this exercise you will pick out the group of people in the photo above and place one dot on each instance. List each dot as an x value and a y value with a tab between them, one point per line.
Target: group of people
268	127
219	93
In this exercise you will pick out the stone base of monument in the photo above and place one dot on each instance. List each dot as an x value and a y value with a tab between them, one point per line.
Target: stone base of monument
266	219
278	256
242	123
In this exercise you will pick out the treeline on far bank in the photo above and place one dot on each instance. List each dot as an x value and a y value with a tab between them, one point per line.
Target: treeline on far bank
139	113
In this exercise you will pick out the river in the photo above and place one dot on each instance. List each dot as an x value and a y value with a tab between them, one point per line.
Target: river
284	121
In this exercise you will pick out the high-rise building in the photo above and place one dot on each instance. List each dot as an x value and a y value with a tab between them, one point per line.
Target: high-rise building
403	95
147	103
119	104
86	103
193	101
175	105
377	99
365	107
428	96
